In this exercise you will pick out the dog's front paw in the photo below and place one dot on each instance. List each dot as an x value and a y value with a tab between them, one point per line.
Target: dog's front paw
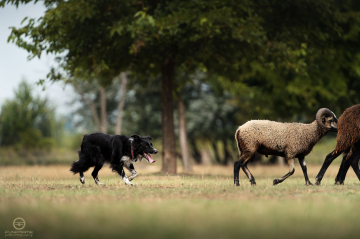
127	181
97	181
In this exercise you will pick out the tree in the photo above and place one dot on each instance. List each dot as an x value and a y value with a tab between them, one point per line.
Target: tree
183	139
213	117
84	90
240	42
96	100
27	121
121	103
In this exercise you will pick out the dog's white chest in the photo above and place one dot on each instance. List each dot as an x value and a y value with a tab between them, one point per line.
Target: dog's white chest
127	159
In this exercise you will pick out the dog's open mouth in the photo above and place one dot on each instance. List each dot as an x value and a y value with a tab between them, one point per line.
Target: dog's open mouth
149	158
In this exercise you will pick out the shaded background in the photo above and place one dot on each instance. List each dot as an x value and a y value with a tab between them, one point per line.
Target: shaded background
208	66
271	60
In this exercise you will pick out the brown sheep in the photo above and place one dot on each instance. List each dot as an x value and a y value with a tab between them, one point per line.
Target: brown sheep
289	140
347	142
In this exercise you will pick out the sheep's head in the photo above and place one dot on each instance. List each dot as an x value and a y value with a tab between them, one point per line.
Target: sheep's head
327	119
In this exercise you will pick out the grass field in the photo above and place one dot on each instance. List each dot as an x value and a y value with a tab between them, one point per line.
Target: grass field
204	204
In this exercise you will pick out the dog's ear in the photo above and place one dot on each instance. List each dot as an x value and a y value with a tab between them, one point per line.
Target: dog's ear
135	137
147	137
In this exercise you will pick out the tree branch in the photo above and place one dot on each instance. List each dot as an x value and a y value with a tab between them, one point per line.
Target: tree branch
91	105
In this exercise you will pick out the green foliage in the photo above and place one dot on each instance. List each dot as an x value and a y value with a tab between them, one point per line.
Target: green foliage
275	59
27	122
329	53
89	90
79	32
284	56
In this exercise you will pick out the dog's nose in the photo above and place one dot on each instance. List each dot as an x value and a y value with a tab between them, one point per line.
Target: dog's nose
156	151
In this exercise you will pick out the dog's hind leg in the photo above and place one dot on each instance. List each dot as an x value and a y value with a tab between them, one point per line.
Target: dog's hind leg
132	170
81	166
82	178
94	174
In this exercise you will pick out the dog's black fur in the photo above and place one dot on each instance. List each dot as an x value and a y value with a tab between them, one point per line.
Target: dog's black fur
98	149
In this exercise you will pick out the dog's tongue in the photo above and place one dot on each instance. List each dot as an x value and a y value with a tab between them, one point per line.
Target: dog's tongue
149	158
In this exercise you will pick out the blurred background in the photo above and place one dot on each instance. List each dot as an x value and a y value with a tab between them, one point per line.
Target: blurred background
187	73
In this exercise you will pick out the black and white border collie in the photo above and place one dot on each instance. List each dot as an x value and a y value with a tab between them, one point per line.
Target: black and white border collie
118	150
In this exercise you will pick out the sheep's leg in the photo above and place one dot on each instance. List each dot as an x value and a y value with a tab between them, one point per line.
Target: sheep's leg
355	162
328	160
337	178
343	172
355	166
291	172
344	167
237	166
249	175
304	169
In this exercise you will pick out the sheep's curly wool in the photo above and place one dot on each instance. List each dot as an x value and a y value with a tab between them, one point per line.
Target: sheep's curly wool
290	140
274	138
348	129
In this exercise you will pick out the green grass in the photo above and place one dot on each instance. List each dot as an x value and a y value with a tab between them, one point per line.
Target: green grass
203	205
56	156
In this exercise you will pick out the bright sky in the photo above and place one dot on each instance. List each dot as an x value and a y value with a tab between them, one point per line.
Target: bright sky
14	65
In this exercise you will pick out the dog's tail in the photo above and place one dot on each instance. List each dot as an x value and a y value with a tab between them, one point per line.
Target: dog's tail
78	166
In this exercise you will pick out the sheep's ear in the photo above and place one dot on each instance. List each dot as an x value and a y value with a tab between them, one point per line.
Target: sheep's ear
320	117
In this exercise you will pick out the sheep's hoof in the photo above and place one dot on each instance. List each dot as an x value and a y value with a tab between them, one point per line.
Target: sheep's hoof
317	183
253	183
339	183
276	181
237	184
309	183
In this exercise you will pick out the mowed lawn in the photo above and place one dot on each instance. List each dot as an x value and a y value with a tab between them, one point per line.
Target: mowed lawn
204	204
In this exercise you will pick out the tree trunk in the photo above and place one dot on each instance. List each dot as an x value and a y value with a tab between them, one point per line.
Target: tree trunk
216	152
167	117
103	109
123	78
227	155
196	154
184	147
92	107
